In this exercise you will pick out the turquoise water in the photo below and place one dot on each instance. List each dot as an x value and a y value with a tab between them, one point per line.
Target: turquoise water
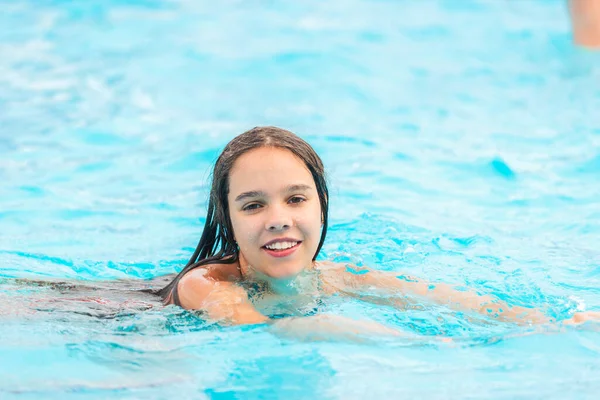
462	141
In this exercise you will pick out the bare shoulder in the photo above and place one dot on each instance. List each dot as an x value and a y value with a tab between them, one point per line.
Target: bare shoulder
341	269
346	276
215	292
341	276
194	287
205	284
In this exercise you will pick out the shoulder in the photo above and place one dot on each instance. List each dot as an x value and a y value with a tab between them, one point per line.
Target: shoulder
340	269
217	272
342	276
206	284
349	276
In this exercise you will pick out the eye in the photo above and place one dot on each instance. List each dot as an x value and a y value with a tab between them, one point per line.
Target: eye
251	207
296	200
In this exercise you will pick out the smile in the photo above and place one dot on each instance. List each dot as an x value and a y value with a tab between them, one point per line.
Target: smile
281	248
281	245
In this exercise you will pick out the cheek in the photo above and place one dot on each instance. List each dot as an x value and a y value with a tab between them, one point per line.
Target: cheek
246	231
310	222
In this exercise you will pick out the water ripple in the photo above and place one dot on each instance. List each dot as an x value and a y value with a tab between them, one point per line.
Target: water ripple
447	161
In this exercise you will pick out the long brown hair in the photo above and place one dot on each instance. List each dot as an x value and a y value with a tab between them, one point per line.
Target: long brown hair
217	243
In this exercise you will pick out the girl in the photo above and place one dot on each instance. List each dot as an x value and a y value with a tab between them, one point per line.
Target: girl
266	223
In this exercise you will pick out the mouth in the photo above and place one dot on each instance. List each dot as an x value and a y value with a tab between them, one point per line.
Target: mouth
281	247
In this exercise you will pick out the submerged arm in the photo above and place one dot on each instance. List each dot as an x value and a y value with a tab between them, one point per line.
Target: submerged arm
444	294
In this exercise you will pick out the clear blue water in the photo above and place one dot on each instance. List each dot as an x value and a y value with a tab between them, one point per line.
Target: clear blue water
463	145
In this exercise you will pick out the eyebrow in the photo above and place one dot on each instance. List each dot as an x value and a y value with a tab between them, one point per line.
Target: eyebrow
259	193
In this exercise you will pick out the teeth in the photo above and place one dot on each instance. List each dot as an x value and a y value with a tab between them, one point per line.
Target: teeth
281	245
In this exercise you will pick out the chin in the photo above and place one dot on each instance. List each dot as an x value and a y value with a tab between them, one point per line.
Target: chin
283	272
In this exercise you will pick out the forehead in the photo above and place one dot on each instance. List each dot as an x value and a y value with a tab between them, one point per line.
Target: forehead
267	167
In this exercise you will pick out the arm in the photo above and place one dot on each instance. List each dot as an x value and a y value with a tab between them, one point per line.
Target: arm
447	295
585	19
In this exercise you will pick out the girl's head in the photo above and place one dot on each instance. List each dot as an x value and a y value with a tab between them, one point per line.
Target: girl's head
268	203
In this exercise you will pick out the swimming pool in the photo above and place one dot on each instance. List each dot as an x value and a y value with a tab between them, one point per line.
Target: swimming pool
462	141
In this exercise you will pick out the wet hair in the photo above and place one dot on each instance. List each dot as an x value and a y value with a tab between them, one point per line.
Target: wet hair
217	243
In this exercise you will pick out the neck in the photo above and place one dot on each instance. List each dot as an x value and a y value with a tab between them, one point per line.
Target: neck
301	283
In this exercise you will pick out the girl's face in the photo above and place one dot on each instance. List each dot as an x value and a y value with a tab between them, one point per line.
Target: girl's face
275	211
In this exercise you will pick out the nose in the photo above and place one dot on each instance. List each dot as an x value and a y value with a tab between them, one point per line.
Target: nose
278	220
